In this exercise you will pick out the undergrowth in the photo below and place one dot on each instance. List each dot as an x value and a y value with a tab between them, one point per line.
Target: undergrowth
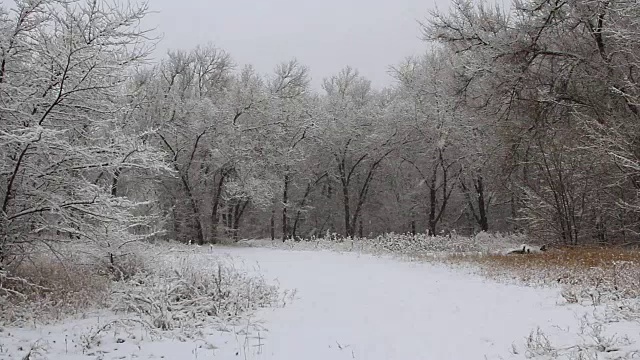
419	245
168	286
191	292
587	275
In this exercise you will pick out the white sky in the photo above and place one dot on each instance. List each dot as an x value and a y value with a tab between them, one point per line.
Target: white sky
325	35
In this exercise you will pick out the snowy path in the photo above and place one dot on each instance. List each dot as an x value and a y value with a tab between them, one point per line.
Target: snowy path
347	306
356	306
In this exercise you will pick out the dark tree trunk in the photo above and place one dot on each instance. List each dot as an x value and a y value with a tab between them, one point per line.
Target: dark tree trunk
114	183
184	177
303	202
435	213
239	209
3	242
229	222
432	207
214	208
479	199
273	224
351	221
347	210
514	212
194	210
9	192
285	201
299	212
3	66
482	206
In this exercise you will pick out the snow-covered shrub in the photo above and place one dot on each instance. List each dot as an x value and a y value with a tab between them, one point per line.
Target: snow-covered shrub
169	285
594	339
122	267
404	244
538	344
623	310
191	291
454	244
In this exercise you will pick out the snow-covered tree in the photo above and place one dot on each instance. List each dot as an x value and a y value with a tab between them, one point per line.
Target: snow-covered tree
291	113
433	123
354	135
64	136
562	79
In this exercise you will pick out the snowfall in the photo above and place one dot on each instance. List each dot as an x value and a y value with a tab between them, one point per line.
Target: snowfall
345	306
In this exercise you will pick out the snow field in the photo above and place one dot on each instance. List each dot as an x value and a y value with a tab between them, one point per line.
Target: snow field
347	306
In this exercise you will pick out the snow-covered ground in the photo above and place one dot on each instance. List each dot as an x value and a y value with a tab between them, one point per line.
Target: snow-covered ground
347	306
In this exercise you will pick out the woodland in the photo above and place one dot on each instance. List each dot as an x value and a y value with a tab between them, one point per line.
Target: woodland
524	119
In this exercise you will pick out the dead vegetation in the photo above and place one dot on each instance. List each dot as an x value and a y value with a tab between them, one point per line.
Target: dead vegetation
168	286
588	274
45	287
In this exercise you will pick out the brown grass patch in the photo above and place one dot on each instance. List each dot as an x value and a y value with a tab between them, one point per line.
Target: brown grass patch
45	288
570	258
609	273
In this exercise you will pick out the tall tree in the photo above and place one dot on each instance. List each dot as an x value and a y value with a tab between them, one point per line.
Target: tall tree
358	142
431	119
289	105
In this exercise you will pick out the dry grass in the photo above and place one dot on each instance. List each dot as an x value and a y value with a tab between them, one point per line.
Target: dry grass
594	273
578	258
46	288
168	285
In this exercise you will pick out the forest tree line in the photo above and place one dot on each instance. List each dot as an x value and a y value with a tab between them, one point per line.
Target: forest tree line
524	119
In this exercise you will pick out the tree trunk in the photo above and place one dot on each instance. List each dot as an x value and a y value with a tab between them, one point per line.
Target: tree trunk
364	191
273	223
482	206
514	212
229	223
299	212
194	210
347	210
303	201
3	242
214	209
285	201
432	207
237	215
435	214
9	192
479	216
114	183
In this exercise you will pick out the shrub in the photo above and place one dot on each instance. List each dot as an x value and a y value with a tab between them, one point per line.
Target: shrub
47	288
190	292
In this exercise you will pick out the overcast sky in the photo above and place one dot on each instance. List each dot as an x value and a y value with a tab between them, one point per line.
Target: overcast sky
325	35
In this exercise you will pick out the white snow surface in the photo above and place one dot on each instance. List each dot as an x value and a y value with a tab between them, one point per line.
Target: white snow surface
346	306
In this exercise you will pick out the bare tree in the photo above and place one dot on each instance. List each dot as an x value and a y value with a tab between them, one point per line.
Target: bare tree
353	135
562	79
